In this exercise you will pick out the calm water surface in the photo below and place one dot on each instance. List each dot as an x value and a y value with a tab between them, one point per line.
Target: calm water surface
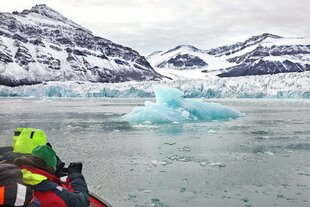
262	159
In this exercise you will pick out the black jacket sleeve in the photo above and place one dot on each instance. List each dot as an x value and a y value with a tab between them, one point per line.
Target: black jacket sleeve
80	196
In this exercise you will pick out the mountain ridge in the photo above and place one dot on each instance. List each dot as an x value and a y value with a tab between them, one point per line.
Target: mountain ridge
40	45
258	55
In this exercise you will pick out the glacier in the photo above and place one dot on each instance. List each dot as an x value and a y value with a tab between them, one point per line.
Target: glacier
171	107
284	85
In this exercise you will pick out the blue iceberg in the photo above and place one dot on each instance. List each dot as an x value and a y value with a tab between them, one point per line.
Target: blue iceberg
171	107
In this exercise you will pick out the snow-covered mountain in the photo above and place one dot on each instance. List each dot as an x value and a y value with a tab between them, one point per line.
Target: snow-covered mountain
39	45
177	62
259	55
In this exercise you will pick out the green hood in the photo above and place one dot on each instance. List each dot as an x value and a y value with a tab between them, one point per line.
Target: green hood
47	154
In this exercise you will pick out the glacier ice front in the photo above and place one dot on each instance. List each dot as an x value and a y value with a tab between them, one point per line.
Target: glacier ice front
171	107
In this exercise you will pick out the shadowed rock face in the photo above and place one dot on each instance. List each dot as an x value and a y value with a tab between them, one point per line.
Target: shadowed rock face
269	60
231	49
261	60
182	57
40	45
279	50
262	68
184	62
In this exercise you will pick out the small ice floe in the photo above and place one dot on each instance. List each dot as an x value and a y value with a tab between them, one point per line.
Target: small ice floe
203	163
185	149
262	138
303	173
245	200
170	143
268	153
160	163
181	158
144	190
211	131
131	197
217	164
156	202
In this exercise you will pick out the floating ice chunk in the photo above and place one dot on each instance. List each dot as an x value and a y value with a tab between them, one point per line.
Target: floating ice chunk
269	153
144	190
170	143
185	149
164	94
217	164
156	163
203	164
171	107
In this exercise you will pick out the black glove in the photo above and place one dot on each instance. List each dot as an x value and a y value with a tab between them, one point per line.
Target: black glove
49	144
59	168
75	167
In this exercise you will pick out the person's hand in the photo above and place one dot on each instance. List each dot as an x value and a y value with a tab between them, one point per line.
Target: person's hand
59	168
75	167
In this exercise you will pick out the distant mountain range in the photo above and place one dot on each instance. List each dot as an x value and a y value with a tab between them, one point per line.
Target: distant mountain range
259	55
39	45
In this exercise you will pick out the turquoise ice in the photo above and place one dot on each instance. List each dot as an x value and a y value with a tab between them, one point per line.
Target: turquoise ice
171	107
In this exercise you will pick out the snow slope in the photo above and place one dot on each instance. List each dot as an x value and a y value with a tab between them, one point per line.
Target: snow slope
40	45
259	55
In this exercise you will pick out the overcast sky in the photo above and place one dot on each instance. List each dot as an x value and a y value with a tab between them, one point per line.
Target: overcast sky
149	25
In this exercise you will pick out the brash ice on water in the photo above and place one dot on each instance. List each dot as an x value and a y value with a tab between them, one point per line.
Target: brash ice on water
171	107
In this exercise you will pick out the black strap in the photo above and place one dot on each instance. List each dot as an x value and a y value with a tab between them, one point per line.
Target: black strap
31	135
17	133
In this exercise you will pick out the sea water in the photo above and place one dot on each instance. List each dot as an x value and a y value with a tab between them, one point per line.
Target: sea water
260	159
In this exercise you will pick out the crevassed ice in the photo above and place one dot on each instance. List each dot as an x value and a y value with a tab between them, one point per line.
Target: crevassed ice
285	85
171	107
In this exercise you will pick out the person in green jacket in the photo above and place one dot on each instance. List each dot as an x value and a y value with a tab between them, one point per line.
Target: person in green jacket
39	173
